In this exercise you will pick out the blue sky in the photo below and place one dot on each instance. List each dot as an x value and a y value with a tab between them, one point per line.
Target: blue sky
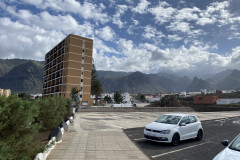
196	37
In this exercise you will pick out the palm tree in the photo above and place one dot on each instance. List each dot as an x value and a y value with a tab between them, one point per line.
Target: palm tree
96	90
96	87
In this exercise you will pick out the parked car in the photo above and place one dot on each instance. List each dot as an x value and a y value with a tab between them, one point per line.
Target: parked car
173	128
232	151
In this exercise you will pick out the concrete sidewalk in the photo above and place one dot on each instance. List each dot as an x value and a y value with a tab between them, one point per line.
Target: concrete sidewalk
99	135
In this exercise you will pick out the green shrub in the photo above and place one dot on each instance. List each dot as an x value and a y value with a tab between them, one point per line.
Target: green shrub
53	110
17	128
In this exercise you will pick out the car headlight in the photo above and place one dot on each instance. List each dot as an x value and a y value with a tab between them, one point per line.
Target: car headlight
165	131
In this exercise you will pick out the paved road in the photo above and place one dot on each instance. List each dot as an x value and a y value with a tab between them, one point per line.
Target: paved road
99	135
214	132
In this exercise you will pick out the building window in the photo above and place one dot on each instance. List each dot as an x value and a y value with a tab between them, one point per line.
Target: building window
85	103
83	44
83	50
82	73
82	65
80	96
82	58
81	80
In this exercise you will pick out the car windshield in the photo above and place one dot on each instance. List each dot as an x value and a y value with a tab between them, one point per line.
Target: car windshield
168	119
235	144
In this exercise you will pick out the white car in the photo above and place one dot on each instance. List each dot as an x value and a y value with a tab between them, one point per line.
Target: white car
172	128
232	151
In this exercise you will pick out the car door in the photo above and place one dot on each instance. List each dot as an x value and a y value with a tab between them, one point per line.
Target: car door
193	125
184	130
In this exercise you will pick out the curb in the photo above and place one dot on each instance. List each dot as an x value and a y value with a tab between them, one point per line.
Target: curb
53	141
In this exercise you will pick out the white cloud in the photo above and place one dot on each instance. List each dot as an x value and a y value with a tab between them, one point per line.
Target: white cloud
174	38
163	13
179	26
234	35
194	58
117	16
136	22
188	14
102	48
215	12
33	32
127	59
86	10
3	5
152	33
64	23
33	2
141	7
26	41
235	57
31	36
106	33
204	21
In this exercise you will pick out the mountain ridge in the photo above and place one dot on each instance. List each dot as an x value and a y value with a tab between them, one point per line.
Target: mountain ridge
21	75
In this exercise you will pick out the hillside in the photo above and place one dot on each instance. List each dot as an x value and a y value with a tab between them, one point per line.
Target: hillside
136	82
232	81
21	75
8	64
198	84
216	78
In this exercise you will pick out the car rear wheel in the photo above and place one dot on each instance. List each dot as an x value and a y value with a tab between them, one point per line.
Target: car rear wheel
199	135
175	139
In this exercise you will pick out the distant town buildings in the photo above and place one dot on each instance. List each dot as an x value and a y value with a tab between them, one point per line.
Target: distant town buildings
127	98
5	92
69	65
222	101
205	99
34	96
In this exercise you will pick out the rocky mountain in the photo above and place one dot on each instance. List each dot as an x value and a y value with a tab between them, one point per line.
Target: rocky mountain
8	64
232	81
22	75
110	74
136	82
197	84
216	78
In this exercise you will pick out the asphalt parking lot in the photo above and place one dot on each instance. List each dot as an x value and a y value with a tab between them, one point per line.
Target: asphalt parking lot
214	132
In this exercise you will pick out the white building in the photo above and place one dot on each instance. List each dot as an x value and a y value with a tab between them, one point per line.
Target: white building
34	96
126	97
183	94
154	99
203	91
228	101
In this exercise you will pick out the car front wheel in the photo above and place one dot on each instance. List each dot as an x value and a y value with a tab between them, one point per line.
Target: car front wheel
199	135
175	139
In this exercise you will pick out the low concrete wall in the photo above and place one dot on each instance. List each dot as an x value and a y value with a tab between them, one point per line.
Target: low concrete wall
215	108
136	109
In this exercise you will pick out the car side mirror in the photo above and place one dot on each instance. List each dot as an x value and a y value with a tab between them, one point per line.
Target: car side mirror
225	142
183	124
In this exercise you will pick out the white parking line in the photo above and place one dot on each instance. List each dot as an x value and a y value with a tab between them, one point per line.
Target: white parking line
138	139
238	122
163	154
222	121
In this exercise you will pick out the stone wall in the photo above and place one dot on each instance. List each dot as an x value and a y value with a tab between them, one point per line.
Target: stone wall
135	109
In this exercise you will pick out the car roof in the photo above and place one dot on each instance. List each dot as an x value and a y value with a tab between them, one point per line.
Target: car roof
178	114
